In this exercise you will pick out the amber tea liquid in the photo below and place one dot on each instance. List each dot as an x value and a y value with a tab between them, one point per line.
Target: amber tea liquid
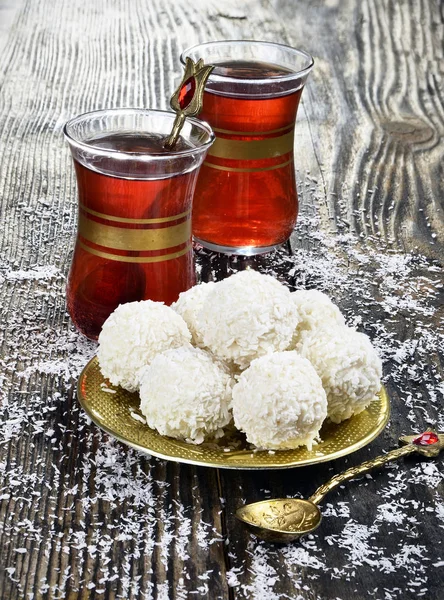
246	191
134	234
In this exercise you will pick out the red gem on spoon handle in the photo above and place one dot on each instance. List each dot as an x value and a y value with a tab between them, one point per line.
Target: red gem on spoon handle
187	100
186	93
426	439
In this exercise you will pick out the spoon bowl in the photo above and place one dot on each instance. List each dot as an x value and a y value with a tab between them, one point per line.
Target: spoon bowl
280	520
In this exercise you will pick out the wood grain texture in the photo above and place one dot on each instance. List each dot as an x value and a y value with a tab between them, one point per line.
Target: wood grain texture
81	516
380	122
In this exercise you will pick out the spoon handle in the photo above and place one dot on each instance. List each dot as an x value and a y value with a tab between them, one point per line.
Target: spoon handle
364	467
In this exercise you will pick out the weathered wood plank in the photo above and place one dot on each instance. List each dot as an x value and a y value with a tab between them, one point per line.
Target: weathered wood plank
376	99
83	517
8	12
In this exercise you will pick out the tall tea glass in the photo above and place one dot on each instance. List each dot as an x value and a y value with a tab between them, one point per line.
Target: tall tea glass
246	199
134	215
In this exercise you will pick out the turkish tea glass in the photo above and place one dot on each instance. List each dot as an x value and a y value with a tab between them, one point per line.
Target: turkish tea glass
134	213
246	200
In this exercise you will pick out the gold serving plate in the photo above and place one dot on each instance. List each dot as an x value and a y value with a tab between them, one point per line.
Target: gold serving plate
113	409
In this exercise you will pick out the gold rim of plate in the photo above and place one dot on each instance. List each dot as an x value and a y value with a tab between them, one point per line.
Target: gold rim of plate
112	409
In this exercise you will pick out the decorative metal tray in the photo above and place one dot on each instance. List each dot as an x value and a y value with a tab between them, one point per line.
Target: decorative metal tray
116	410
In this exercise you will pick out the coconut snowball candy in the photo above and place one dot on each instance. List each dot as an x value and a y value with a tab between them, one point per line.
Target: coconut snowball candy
349	367
189	305
279	402
316	310
132	336
246	316
186	394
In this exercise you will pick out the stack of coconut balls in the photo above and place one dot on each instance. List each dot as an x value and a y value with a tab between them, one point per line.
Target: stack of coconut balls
244	349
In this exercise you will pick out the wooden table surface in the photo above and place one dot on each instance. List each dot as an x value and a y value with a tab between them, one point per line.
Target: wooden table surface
81	515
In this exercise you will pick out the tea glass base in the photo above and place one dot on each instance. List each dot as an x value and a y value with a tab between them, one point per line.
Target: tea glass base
242	250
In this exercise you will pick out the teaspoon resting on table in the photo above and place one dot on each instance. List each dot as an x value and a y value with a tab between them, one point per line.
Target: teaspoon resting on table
287	519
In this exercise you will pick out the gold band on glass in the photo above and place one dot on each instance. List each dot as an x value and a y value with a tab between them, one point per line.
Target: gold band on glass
231	132
252	170
90	211
120	238
254	149
135	259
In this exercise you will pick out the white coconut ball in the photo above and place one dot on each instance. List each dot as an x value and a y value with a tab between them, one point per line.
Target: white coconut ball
316	310
189	305
349	367
186	394
132	336
279	402
246	316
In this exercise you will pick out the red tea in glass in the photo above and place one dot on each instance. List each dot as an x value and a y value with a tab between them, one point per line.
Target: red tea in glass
134	221
245	200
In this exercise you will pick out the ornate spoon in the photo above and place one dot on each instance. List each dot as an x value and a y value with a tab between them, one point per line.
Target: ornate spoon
287	519
187	100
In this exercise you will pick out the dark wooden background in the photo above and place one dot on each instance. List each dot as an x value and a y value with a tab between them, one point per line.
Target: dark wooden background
81	516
